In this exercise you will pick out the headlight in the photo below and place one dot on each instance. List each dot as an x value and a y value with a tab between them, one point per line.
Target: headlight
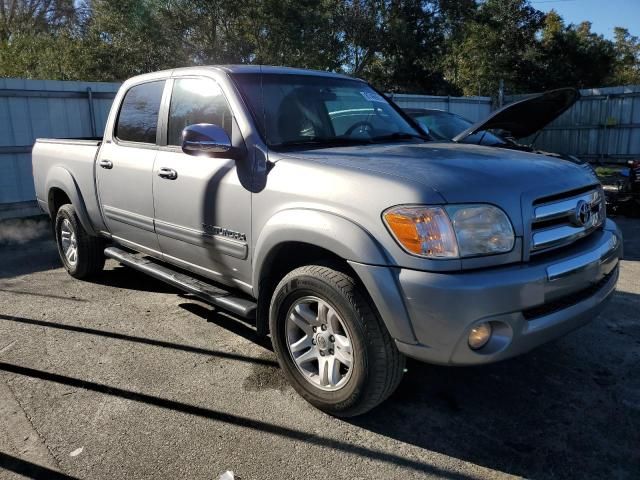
481	229
451	232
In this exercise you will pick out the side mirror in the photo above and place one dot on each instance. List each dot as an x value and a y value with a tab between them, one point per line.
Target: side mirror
424	127
205	139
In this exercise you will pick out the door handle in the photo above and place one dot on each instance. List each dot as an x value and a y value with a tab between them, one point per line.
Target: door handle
168	173
108	164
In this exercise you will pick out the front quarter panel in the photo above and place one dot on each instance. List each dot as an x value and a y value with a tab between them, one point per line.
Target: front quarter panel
322	229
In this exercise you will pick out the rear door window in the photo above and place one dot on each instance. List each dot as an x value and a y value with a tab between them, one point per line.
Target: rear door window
197	100
138	118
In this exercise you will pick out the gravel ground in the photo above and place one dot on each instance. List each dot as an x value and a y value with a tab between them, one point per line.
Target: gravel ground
125	377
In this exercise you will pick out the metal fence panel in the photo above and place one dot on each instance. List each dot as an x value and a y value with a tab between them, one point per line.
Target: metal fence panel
44	108
472	108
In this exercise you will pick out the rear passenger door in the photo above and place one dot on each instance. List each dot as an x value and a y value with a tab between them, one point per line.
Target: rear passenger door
125	167
202	213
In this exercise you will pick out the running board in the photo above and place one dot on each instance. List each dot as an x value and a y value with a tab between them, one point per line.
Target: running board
218	297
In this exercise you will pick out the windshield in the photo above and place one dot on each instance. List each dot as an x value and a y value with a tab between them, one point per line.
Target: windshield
300	110
445	126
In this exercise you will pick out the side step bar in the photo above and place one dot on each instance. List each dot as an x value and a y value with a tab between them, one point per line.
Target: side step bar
243	307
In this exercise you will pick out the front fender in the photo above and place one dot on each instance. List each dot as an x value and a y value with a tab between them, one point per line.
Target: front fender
60	177
348	241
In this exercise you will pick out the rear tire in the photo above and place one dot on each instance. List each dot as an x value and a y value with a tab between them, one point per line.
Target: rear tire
305	354
81	254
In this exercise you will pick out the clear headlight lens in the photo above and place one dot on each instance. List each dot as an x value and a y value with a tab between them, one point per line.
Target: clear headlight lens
481	229
451	232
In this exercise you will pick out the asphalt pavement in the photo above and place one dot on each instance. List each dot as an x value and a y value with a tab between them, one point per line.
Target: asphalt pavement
125	377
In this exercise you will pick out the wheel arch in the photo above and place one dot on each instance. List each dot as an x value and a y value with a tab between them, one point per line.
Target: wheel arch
62	188
293	238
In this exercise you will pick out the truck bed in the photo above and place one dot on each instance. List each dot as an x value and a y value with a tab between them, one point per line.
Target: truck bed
68	162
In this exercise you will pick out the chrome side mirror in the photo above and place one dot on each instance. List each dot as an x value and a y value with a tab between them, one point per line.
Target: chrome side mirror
205	139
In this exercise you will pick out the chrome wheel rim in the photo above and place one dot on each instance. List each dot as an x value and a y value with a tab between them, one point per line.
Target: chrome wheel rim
319	343
68	242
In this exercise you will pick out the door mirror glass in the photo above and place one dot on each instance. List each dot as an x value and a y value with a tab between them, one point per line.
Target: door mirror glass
205	139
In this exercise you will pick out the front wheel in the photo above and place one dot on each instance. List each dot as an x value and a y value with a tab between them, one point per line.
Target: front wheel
331	344
81	254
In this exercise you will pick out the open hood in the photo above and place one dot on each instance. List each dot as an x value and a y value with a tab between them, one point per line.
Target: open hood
526	117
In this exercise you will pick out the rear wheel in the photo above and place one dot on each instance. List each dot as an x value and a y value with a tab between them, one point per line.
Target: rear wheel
331	344
81	254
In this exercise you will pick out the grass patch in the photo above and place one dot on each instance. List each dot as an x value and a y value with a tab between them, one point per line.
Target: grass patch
607	171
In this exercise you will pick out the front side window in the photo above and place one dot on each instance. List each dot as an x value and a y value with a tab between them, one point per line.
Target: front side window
317	110
197	100
138	118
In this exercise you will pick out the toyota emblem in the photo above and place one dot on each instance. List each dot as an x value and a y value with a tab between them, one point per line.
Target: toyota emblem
582	215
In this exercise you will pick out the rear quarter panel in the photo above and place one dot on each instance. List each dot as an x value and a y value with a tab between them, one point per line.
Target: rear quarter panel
69	166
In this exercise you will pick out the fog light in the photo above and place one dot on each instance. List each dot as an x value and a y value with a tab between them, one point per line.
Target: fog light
479	335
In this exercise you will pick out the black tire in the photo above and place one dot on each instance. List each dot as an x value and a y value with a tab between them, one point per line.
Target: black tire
90	250
377	366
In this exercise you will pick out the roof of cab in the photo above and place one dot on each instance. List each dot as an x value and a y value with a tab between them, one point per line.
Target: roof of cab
231	69
268	69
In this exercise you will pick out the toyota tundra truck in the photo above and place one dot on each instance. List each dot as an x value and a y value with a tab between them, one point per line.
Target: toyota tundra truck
311	204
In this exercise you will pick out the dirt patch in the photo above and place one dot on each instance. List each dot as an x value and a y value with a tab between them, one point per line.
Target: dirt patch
265	377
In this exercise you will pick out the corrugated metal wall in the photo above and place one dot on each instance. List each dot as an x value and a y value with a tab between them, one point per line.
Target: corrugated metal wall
41	108
604	125
472	108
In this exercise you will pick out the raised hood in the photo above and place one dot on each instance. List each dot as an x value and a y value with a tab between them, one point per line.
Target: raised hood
526	117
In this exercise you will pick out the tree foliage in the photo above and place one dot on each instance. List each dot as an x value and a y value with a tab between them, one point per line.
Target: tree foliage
422	46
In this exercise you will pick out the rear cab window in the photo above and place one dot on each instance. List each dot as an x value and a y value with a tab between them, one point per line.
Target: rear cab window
138	116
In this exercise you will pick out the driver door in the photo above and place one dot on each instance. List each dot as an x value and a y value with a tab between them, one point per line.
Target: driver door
202	213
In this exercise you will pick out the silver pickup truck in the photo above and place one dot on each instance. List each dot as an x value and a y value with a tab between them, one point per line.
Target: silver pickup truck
308	202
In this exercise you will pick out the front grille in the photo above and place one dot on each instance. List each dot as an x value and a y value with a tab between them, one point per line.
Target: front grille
568	300
562	219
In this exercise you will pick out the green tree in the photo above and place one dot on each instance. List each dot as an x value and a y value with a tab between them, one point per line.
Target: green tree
41	39
498	43
21	17
571	56
411	50
627	52
362	34
396	44
422	46
129	37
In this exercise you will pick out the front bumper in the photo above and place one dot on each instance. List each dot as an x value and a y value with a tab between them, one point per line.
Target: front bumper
527	304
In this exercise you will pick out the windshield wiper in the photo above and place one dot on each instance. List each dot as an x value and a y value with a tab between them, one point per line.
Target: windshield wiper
398	136
323	141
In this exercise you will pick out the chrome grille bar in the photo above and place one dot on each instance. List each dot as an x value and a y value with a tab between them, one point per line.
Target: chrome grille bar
564	208
557	236
556	223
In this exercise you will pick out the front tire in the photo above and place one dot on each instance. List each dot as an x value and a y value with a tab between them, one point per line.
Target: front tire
331	344
81	254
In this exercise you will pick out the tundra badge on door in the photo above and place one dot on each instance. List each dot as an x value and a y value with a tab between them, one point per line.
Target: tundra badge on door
224	232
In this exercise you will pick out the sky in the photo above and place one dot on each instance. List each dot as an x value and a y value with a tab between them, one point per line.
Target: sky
603	14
